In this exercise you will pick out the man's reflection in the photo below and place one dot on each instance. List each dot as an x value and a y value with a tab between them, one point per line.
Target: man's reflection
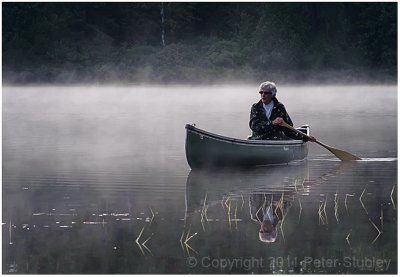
270	192
266	210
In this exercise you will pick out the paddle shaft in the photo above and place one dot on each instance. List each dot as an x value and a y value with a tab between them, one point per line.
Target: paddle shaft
284	124
305	135
343	155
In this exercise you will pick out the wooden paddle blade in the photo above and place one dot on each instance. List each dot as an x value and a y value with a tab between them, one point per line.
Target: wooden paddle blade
342	155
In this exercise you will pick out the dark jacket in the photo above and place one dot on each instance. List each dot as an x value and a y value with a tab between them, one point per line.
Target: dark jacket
263	128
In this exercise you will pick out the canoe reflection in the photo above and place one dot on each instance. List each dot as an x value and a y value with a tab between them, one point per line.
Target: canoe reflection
269	193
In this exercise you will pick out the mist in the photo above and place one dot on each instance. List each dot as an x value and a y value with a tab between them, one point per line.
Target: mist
141	128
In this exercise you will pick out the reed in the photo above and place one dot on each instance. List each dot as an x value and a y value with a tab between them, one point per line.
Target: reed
322	212
326	216
379	231
205	200
137	241
362	203
319	214
241	208
226	201
152	215
261	206
222	202
336	207
321	218
236	217
191	236
279	205
281	228
184	243
191	248
281	225
188	246
202	224
203	213
187	234
229	215
391	197
347	238
181	240
284	213
10	233
301	208
345	202
144	244
302	184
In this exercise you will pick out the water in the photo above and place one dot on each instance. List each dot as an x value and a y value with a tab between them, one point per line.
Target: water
95	180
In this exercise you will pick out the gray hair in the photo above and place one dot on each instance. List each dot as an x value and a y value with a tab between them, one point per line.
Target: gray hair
268	86
268	237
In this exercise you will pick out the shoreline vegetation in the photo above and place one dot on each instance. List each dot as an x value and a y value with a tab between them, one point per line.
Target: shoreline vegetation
199	43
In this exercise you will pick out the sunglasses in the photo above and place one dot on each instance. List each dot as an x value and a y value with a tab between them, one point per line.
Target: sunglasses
266	92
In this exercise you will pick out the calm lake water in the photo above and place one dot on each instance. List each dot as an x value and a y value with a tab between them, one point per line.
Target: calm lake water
95	180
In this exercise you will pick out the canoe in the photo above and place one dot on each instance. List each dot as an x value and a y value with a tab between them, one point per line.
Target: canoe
205	150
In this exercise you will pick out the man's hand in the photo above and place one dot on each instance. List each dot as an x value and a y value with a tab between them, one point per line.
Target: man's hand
312	139
277	121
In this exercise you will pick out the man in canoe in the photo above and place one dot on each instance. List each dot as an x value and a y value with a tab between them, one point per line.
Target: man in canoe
267	115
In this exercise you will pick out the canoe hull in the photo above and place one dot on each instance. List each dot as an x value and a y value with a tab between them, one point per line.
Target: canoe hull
204	150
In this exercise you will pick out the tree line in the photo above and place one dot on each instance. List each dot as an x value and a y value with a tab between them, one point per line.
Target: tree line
197	41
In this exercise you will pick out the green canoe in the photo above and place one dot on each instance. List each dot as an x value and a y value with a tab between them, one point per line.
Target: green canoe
205	149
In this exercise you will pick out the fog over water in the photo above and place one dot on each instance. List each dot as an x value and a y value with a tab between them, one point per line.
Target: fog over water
130	120
87	168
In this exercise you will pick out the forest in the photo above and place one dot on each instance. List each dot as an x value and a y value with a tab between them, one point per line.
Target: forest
199	42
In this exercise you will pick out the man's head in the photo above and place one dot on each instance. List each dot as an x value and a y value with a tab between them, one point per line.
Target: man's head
267	91
267	232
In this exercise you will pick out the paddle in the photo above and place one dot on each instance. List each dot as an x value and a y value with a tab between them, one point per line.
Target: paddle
342	155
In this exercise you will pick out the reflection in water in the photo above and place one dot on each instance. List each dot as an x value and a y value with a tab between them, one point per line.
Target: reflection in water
268	212
269	191
301	213
297	210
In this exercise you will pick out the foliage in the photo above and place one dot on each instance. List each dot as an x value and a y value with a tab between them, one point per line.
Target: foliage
66	42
